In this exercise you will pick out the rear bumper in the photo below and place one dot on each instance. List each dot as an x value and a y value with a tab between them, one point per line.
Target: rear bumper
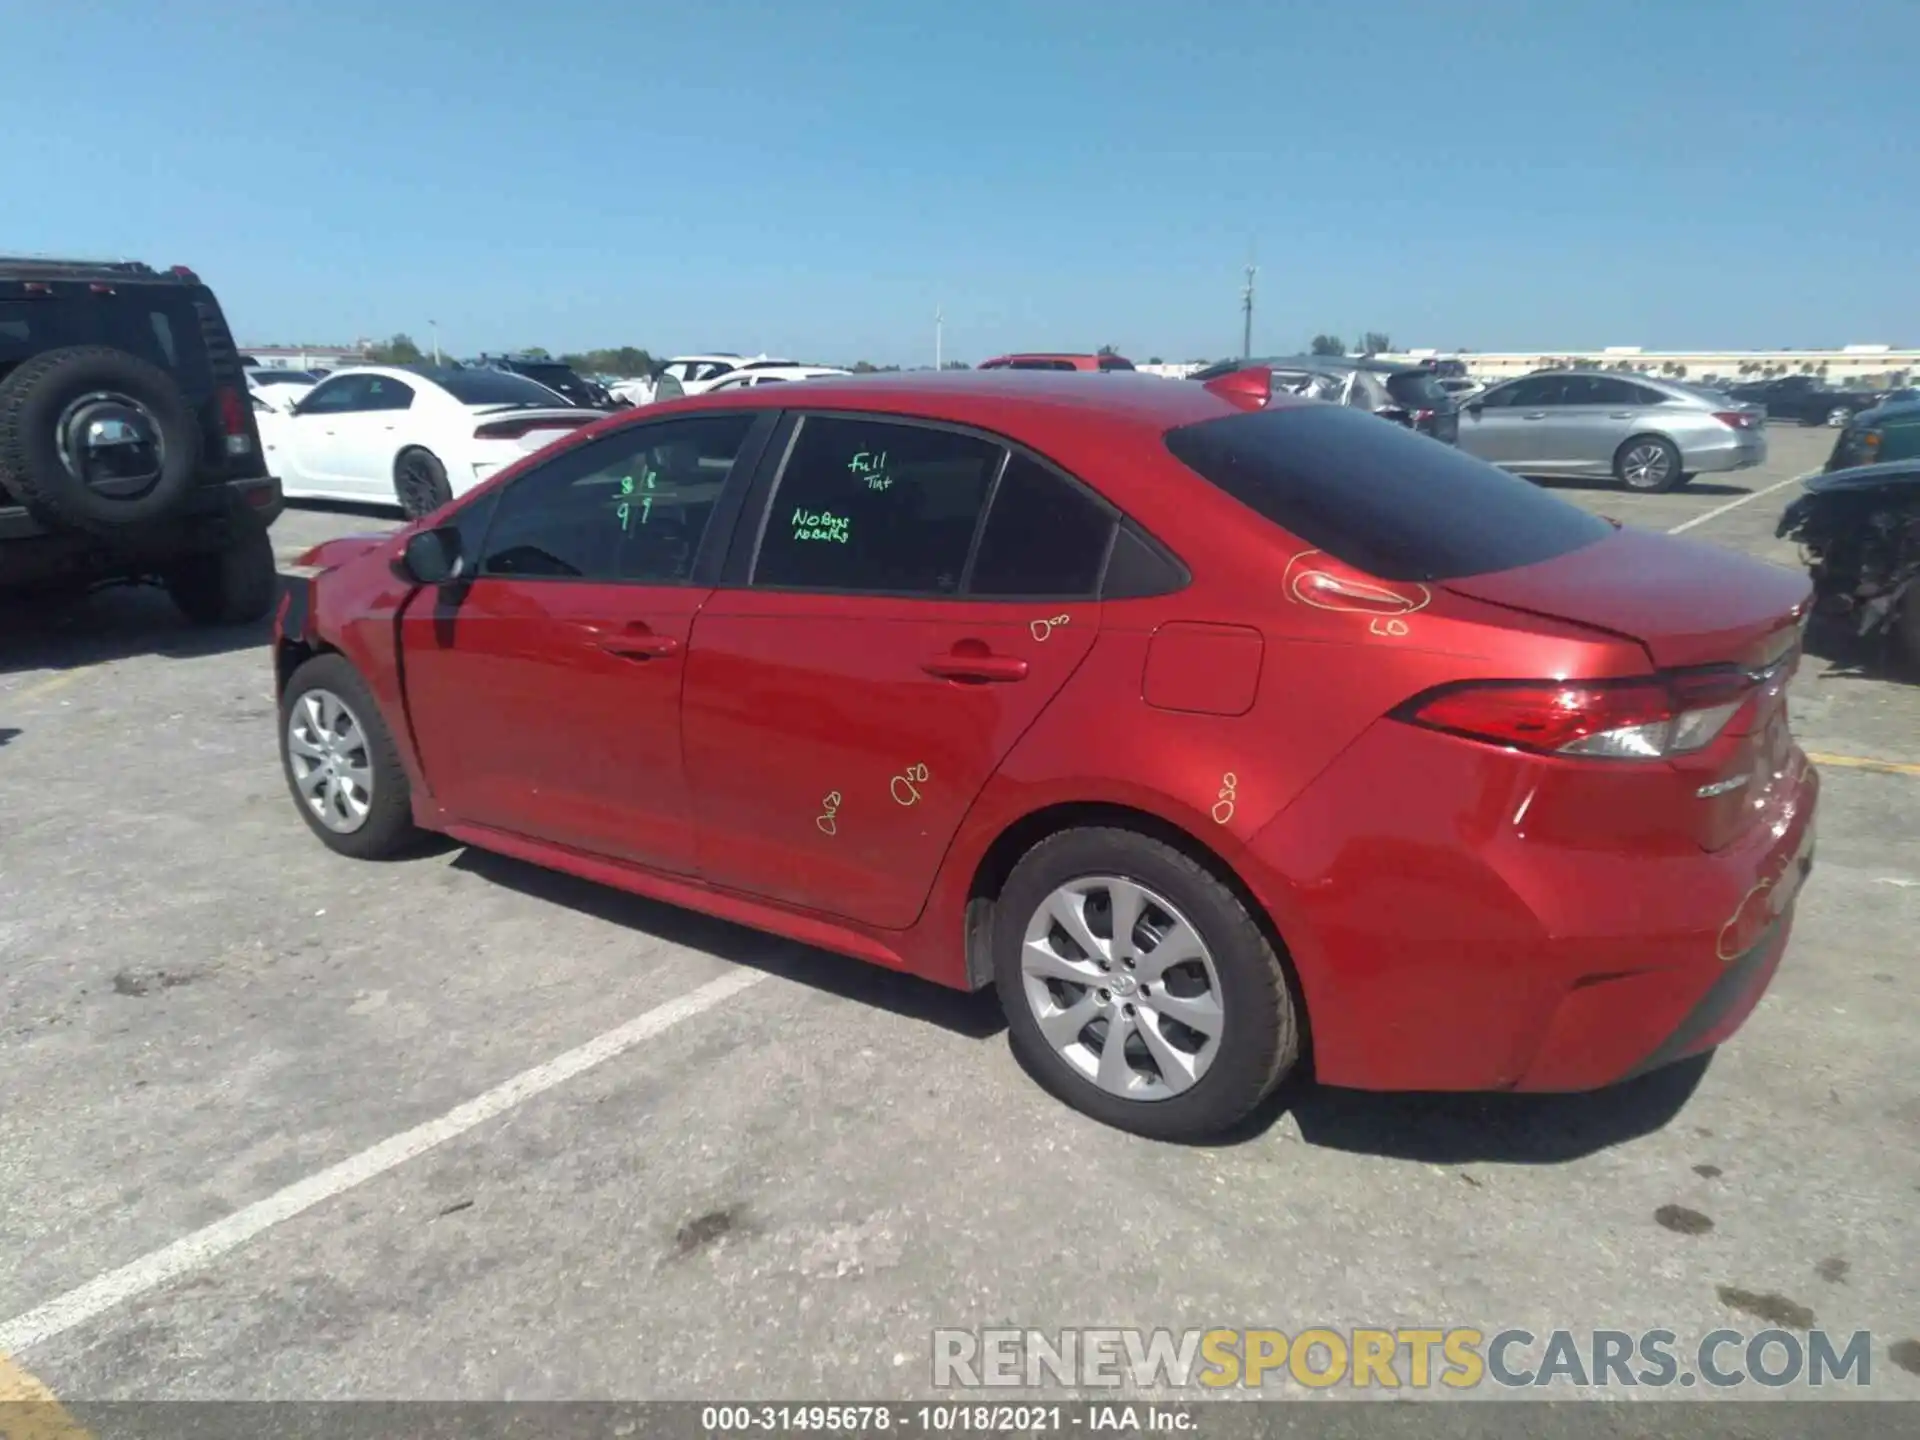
1739	450
1443	945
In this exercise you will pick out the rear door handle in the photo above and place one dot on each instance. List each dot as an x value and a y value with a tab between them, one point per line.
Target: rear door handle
1620	415
1535	415
642	647
981	669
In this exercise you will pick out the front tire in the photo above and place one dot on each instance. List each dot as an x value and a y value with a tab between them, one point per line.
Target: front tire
341	764
1177	1026
1647	463
235	586
420	483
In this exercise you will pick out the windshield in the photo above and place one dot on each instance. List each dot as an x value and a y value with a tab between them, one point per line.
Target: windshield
493	387
283	377
1382	497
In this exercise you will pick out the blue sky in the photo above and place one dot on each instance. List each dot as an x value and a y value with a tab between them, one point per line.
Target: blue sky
813	178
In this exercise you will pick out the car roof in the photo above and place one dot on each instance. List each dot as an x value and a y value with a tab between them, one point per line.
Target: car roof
1022	404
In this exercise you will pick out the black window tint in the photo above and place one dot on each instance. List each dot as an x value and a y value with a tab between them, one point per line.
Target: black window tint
1114	362
1394	503
1642	395
386	393
631	506
493	387
163	336
1042	365
1044	536
335	396
1600	390
1537	390
876	506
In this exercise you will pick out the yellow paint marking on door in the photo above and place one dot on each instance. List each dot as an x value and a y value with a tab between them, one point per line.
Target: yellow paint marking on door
30	1411
1861	762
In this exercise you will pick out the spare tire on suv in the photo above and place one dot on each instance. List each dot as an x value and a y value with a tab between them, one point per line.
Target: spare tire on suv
97	439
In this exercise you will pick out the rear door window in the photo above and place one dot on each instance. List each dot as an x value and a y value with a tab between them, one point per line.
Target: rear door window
876	507
1380	497
1045	536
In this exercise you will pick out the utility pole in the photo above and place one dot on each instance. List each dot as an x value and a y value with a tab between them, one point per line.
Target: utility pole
433	329
1246	314
939	338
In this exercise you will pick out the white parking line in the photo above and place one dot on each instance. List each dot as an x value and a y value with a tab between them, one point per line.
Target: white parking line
1720	510
206	1245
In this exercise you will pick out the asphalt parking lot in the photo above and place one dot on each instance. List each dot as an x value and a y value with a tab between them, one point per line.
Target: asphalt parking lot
783	1182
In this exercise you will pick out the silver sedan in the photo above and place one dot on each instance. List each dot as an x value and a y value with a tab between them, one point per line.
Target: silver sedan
1647	434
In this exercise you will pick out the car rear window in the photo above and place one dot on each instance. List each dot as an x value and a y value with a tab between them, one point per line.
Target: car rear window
1418	390
1378	496
494	387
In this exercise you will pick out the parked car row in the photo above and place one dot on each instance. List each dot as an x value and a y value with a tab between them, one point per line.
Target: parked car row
1644	433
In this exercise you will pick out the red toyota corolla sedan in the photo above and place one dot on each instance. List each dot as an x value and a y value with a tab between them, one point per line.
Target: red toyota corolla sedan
1214	731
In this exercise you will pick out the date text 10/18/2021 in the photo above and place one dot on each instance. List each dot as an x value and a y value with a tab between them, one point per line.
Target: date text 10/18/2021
961	1418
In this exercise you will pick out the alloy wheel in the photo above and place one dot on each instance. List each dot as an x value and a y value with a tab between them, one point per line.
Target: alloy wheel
327	752
1646	466
1123	987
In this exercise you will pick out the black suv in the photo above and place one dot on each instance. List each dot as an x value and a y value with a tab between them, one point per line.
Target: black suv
128	449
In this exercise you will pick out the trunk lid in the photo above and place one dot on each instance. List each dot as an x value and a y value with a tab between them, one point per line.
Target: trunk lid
1687	602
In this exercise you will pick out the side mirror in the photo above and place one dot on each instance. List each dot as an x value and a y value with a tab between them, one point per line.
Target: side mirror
432	557
1474	407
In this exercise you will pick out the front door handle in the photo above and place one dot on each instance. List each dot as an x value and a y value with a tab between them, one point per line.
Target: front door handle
1620	415
979	669
642	647
1535	415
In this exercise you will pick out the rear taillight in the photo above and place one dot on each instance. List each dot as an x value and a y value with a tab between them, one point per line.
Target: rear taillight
1738	419
1649	719
514	429
233	421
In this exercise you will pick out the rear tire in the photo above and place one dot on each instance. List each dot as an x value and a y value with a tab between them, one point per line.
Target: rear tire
1647	463
342	767
235	586
420	483
1235	984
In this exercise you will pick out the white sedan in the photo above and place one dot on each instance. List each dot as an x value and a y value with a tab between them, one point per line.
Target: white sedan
414	436
749	376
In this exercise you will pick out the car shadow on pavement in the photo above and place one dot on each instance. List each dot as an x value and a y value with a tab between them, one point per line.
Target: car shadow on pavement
1850	656
72	632
7	735
975	1016
1504	1128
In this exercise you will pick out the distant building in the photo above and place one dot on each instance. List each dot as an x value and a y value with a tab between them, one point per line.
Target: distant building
1872	363
308	357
